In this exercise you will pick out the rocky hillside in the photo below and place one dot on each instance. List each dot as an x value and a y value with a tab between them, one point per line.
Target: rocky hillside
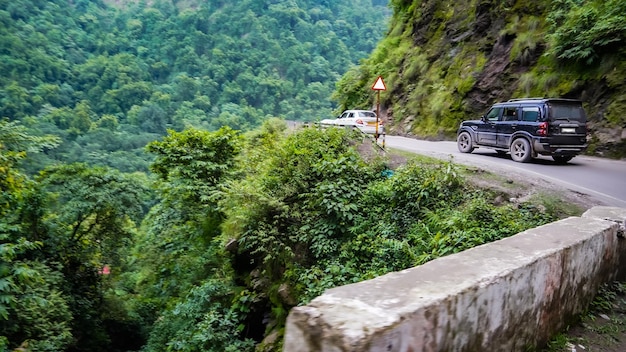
446	61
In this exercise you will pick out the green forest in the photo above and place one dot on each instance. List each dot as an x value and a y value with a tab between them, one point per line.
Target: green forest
107	77
152	197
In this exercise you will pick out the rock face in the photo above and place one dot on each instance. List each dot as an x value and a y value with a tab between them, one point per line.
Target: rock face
448	61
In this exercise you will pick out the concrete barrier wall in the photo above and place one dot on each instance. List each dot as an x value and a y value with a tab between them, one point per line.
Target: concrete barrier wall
508	295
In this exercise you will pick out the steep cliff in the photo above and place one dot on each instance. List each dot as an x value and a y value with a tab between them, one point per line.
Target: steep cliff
446	61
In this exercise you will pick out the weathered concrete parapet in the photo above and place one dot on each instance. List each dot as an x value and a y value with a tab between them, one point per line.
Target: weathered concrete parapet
607	213
617	215
503	296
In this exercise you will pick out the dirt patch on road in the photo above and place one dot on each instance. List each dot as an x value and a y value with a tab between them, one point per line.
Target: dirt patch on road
518	188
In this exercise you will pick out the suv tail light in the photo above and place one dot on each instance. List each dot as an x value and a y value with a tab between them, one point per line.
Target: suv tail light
543	129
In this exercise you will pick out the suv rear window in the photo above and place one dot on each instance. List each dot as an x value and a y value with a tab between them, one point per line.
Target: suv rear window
571	112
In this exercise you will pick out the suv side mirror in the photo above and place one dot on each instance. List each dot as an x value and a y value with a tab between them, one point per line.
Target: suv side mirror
483	118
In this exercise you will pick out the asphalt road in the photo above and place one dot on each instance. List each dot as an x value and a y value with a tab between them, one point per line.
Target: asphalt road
598	178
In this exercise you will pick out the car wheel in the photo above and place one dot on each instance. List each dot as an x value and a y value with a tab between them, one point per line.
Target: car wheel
464	142
520	150
562	159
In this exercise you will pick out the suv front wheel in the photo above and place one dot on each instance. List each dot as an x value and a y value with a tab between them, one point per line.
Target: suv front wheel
520	150
464	142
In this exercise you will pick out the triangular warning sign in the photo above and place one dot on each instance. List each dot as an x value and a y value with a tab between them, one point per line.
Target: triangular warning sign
379	85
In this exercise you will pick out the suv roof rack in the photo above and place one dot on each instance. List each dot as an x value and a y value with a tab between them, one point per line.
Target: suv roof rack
519	99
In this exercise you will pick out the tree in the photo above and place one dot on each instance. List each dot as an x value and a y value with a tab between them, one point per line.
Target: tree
196	157
15	101
91	211
33	312
150	117
190	166
204	321
109	122
40	318
585	32
317	173
186	87
294	207
85	215
83	116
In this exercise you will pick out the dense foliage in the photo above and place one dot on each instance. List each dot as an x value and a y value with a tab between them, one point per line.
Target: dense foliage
587	34
448	61
295	214
108	79
243	227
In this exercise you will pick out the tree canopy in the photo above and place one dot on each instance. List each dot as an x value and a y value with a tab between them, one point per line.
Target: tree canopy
107	77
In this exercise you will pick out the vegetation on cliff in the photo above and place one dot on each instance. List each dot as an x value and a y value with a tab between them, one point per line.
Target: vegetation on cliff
446	61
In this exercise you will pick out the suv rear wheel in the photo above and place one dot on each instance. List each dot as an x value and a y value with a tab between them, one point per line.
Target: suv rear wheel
464	143
520	150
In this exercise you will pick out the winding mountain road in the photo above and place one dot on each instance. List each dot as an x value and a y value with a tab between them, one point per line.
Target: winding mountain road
601	179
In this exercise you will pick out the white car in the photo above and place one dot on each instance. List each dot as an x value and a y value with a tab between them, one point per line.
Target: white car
364	120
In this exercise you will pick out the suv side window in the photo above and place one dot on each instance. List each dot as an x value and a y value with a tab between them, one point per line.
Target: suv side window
510	114
493	114
530	114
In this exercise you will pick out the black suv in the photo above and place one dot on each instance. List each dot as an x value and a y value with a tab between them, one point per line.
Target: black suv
528	127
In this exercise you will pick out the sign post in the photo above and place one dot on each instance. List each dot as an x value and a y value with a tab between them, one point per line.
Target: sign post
378	86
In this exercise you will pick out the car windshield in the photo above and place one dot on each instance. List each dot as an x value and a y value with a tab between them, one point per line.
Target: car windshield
366	114
571	112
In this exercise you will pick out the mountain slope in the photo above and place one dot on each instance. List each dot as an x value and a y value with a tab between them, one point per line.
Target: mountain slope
109	76
446	61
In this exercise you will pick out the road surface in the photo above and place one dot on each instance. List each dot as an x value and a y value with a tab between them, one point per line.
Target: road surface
601	179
